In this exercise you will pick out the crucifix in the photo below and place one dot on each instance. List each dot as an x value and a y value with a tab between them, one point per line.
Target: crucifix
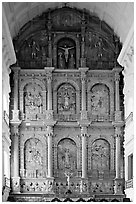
68	174
66	51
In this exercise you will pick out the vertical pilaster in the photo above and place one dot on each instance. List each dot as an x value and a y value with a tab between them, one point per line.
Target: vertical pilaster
49	120
48	71
83	81
15	111
15	156
49	25
84	151
83	60
50	155
118	133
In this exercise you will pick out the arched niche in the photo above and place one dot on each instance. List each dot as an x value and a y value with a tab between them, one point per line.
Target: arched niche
66	53
74	40
66	99
33	99
100	100
74	85
67	154
39	87
34	158
100	155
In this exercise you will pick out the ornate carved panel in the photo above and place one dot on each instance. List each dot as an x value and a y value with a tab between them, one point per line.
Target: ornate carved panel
66	99
33	100
100	100
101	155
67	154
33	152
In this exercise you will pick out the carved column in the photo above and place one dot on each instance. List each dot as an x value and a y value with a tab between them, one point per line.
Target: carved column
15	115
83	60
15	156
83	80
118	133
50	155
84	151
48	71
49	25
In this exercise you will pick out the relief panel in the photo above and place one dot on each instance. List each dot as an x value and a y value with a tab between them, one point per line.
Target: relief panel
100	100
100	155
67	154
66	99
33	154
33	100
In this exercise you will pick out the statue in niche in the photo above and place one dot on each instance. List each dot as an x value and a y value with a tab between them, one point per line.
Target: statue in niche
61	61
34	50
33	154
66	99
33	100
100	155
67	154
71	61
66	51
100	100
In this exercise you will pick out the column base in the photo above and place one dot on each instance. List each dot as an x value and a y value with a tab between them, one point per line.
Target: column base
50	184
15	184
118	186
84	186
15	115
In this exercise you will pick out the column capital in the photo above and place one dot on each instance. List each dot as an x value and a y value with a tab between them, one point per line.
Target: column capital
116	71
15	68
84	131
118	132
49	131
48	71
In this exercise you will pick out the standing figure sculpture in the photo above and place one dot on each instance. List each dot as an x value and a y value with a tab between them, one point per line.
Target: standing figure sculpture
34	49
71	62
61	61
66	51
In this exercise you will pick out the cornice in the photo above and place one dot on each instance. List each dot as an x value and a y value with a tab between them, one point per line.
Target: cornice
127	52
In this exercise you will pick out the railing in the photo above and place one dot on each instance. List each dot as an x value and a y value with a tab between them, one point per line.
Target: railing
129	184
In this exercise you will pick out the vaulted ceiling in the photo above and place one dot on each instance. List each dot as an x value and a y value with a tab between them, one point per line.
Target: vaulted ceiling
118	15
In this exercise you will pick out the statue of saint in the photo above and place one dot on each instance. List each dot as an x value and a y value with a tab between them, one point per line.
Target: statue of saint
34	49
66	101
71	61
61	62
66	51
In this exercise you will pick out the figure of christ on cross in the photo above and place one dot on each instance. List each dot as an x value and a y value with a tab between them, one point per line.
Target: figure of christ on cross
68	174
66	51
